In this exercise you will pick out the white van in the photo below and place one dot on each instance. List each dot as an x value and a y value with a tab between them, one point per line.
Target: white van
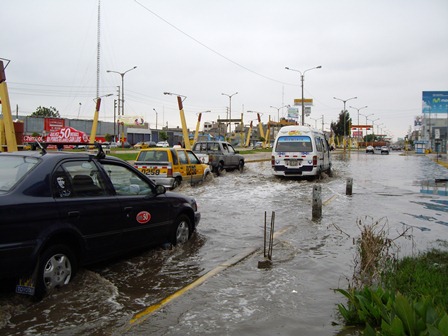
300	151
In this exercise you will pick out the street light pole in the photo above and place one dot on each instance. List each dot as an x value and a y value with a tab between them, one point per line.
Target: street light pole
302	79
373	129
278	111
156	116
358	109
367	115
122	85
230	108
345	115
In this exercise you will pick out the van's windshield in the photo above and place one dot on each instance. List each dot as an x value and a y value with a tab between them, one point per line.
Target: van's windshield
298	143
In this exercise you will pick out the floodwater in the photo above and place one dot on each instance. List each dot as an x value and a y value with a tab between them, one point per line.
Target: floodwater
293	297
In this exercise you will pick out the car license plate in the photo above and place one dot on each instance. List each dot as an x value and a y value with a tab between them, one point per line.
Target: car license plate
293	163
151	171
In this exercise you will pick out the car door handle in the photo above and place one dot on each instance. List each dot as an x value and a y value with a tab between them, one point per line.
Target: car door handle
127	211
73	214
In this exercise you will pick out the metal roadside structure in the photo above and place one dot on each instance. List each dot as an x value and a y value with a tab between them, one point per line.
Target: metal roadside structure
7	133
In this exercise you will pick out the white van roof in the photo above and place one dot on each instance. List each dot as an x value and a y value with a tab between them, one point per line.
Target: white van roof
300	129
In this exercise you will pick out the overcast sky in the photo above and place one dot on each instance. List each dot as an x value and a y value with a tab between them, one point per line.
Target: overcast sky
385	52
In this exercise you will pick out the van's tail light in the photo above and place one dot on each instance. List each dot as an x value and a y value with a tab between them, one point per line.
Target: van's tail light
170	172
272	161
315	160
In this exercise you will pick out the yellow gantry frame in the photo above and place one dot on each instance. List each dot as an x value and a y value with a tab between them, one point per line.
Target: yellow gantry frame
260	127
8	125
95	121
184	123
196	133
249	132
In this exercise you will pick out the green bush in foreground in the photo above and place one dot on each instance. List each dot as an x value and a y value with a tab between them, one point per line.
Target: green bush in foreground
412	302
384	313
388	296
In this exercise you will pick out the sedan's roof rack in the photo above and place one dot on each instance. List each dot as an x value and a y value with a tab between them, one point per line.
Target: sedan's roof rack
43	146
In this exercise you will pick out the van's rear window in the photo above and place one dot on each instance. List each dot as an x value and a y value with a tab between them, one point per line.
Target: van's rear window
296	143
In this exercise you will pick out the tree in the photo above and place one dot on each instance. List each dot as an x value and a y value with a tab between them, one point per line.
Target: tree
338	127
46	112
163	136
108	137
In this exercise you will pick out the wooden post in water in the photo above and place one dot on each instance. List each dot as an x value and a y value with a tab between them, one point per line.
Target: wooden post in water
349	187
317	202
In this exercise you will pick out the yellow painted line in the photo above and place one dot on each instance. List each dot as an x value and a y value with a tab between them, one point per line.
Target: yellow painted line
331	199
143	315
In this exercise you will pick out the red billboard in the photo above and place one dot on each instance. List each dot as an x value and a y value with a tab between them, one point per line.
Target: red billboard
67	134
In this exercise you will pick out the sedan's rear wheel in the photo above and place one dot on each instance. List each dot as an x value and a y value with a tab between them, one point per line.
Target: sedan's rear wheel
57	266
182	231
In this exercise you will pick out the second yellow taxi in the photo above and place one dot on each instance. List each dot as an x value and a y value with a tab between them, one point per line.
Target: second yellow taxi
171	166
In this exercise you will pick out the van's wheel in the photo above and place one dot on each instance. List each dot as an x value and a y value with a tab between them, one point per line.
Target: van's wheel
57	266
182	230
177	182
241	166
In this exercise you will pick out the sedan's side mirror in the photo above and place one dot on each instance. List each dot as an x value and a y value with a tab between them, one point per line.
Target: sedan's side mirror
160	189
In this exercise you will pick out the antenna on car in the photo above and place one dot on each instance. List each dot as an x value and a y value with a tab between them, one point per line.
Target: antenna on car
42	147
100	154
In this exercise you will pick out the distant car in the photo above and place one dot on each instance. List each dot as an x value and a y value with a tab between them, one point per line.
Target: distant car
162	144
384	150
258	144
170	166
141	145
60	210
124	145
369	149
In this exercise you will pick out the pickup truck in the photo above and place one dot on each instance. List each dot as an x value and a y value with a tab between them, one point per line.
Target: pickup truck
219	155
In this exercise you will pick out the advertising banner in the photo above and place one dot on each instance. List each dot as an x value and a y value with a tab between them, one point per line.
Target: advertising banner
67	134
293	112
435	102
53	124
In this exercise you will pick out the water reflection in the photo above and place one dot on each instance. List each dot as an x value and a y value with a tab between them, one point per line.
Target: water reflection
293	297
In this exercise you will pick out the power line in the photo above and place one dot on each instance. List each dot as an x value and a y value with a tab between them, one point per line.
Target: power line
212	50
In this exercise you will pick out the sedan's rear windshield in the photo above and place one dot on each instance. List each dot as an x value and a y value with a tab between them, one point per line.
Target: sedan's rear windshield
13	168
297	143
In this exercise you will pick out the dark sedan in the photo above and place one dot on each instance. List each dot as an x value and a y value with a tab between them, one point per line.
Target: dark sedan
61	210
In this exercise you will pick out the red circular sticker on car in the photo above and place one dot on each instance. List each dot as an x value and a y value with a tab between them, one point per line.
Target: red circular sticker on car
143	217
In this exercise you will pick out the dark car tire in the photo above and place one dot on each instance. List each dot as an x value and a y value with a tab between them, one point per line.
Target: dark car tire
219	168
57	266
182	230
241	166
177	182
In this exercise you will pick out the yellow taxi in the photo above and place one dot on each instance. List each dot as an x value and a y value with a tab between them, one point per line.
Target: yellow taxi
171	166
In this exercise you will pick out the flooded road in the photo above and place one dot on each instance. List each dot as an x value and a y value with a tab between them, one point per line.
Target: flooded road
293	297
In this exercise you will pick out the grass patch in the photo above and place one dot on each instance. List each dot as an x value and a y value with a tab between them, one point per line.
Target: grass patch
124	156
424	275
387	296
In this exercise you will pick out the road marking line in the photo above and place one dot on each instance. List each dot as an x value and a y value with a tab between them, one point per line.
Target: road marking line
331	199
143	315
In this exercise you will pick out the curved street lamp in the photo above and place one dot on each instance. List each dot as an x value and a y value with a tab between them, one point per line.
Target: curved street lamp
302	79
122	85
